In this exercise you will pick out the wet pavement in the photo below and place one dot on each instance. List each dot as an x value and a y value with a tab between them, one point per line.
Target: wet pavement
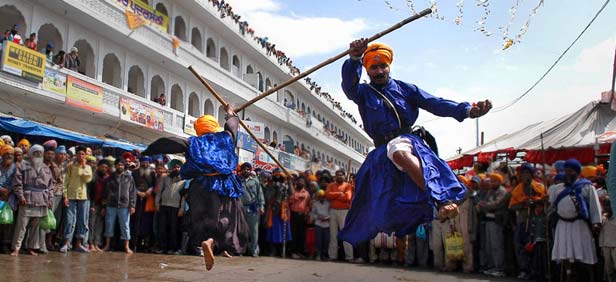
117	266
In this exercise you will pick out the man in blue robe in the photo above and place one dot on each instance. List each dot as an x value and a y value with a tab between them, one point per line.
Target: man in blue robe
402	180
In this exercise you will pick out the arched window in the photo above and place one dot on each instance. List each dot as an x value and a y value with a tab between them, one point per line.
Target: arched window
87	65
208	108
195	39
9	16
236	70
268	84
177	98
136	81
48	33
224	59
157	87
180	28
266	132
260	76
249	69
275	136
210	49
161	8
193	105
112	71
221	114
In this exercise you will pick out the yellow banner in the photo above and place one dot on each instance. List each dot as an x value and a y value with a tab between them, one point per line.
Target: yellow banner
54	81
145	11
84	95
22	61
134	21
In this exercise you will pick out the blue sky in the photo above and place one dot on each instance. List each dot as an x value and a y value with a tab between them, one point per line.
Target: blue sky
455	61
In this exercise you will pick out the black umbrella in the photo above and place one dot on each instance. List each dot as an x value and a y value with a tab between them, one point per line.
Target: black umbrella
167	145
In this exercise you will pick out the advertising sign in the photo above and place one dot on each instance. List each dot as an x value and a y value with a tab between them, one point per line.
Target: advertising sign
22	61
140	113
54	81
84	95
147	12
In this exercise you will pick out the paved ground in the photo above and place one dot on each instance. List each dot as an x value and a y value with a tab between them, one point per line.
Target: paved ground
148	267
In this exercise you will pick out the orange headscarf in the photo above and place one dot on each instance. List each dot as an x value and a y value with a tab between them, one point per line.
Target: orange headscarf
206	124
463	180
6	149
377	53
24	142
589	171
494	177
518	196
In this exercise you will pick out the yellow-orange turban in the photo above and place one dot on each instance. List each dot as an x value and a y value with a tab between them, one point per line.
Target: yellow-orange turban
589	171
24	142
378	53
495	177
6	149
206	124
2	143
311	177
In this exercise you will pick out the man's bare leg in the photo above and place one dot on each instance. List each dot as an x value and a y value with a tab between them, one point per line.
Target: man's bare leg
412	166
208	253
226	254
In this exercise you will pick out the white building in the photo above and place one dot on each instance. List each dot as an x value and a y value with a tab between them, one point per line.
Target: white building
140	65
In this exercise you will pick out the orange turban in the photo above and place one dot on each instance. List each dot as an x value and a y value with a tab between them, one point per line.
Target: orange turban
463	180
378	53
206	124
24	142
494	177
311	177
589	171
6	149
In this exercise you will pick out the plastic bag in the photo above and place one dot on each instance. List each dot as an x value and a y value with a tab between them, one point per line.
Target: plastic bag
421	232
6	214
48	222
454	246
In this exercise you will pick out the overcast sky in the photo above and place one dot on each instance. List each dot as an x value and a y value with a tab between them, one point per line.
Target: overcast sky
456	62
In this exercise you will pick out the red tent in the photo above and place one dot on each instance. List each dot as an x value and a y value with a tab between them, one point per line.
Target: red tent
571	136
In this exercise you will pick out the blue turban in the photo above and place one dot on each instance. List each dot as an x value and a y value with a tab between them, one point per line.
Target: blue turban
246	165
61	149
559	165
145	159
528	167
158	158
559	177
574	164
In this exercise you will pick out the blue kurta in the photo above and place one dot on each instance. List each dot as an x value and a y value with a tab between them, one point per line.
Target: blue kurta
386	199
214	155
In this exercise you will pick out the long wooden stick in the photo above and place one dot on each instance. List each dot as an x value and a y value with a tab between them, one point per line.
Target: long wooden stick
224	103
333	59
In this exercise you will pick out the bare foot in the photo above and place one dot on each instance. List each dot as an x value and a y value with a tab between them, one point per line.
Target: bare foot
105	249
208	253
226	254
128	251
15	253
32	253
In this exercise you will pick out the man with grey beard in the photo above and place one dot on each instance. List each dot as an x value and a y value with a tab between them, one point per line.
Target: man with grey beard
32	184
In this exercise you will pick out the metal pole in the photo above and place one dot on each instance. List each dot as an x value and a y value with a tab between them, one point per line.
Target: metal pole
547	218
333	59
477	132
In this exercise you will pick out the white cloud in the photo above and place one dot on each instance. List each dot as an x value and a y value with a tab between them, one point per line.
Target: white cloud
295	35
597	59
